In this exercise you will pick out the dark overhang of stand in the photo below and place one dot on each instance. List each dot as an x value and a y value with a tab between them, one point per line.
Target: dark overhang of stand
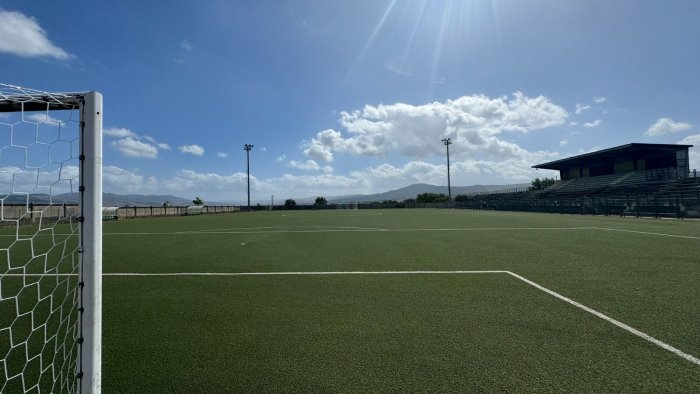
634	149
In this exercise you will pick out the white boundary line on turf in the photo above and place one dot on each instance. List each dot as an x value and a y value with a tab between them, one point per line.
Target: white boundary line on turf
301	273
609	319
592	311
355	230
280	228
370	229
646	232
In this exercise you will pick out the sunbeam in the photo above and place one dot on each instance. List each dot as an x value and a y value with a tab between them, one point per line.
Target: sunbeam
370	41
444	24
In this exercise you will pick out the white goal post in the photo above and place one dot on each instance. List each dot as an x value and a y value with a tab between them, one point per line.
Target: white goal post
50	241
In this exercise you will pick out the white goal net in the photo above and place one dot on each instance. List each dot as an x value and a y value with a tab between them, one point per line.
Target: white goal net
50	241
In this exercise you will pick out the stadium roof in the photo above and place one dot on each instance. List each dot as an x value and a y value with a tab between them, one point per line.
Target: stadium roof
608	153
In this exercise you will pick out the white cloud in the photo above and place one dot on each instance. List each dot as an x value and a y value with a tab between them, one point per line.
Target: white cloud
186	45
192	149
119	132
563	142
595	123
119	180
473	122
666	126
22	36
580	108
589	150
131	144
693	152
41	118
573	124
309	165
53	179
281	158
133	148
179	61
221	155
214	186
599	100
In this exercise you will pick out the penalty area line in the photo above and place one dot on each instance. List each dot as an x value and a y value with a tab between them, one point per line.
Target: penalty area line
578	305
609	319
299	273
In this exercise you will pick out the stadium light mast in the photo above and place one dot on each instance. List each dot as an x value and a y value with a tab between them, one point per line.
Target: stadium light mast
247	148
447	143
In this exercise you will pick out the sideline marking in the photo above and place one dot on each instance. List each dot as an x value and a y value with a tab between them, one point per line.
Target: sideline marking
592	311
335	229
355	230
280	228
370	229
618	323
646	233
301	273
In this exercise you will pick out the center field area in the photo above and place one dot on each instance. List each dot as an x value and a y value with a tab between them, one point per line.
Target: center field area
401	300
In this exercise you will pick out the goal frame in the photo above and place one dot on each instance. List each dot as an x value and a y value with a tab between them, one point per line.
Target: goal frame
88	372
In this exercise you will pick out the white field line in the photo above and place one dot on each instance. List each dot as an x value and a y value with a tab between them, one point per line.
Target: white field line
288	228
495	229
618	323
301	273
359	229
592	311
369	229
256	232
646	233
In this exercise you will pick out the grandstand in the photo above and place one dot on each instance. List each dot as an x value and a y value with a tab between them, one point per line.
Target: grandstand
634	179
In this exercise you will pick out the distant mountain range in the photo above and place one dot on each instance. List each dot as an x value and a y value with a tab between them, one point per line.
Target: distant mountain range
108	199
139	200
412	191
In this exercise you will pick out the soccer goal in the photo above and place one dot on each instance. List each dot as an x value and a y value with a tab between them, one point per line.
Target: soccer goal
50	241
347	205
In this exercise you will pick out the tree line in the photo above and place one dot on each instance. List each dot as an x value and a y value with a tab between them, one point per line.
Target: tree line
422	198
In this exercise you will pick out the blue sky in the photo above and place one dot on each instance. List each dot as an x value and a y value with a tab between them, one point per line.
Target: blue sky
346	97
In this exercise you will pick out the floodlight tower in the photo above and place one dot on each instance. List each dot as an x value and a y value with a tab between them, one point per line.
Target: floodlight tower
247	148
447	143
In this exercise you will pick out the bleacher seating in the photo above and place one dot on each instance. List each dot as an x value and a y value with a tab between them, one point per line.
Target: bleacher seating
632	193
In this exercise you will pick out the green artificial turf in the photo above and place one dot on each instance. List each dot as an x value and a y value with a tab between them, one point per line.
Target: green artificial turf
422	333
382	333
439	333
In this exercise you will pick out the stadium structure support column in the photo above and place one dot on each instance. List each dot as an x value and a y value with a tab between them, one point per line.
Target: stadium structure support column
447	143
247	148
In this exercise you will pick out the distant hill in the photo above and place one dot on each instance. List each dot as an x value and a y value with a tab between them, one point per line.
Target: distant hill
120	200
140	200
108	199
413	190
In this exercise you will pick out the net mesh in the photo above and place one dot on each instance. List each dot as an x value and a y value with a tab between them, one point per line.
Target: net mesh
39	240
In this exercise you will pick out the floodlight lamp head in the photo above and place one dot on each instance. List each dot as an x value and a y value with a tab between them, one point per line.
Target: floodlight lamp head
447	141
247	147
